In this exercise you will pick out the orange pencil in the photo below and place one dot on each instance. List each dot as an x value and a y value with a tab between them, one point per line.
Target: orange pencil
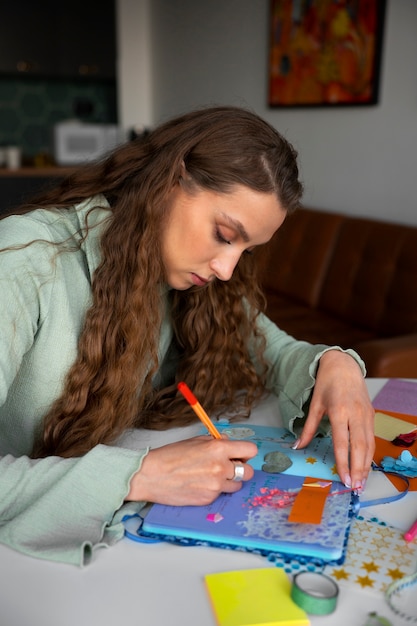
198	409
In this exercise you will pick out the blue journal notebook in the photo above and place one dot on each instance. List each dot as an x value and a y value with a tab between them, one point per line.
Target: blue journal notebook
317	459
255	519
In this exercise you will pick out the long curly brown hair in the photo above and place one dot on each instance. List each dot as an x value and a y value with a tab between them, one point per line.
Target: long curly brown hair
109	387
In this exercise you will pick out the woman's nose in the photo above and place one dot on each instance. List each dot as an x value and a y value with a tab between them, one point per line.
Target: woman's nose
223	266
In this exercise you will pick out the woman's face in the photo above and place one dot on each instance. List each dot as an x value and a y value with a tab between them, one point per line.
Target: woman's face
207	232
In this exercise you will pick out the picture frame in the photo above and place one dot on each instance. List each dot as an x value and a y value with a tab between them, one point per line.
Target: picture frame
325	53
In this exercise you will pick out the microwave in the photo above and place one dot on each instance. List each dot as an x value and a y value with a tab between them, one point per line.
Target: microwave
78	142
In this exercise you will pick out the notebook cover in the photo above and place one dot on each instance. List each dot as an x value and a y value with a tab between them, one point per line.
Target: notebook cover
247	520
317	459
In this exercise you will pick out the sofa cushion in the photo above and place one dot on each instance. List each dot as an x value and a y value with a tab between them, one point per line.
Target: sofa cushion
347	281
370	282
313	325
296	259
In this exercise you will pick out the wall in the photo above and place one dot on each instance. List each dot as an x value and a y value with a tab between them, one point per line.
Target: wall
134	63
359	160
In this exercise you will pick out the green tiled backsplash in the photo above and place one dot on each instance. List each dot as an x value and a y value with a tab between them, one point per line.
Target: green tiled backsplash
30	107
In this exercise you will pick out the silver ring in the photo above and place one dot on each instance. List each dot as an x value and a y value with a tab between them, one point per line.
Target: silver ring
239	473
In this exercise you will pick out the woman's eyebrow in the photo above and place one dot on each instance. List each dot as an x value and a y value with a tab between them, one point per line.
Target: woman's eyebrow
236	225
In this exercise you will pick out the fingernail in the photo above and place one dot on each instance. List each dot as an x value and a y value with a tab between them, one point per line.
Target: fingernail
358	485
295	445
348	481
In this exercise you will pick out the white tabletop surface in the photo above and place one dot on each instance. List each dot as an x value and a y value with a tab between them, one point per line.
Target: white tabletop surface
162	584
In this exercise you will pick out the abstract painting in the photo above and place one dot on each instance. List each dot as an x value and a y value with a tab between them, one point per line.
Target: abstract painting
325	52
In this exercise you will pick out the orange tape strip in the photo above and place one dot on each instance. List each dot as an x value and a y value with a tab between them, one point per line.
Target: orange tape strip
310	501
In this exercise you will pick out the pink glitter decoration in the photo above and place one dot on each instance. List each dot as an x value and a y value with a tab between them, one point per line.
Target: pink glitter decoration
273	498
279	499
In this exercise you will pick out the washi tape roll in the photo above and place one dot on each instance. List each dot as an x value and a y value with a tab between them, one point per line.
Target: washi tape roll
315	593
397	588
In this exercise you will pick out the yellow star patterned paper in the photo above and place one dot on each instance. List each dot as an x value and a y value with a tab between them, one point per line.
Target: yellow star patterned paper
377	555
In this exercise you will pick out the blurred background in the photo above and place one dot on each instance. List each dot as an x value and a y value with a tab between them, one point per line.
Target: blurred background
133	63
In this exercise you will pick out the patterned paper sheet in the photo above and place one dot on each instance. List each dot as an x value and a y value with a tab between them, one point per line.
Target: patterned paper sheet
377	555
397	395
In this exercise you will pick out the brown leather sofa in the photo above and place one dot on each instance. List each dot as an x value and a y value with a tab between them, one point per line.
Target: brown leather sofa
348	281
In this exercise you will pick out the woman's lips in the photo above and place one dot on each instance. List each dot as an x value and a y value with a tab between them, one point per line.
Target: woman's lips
198	280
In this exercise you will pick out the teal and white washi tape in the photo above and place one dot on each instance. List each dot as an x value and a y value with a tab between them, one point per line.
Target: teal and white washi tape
315	593
395	590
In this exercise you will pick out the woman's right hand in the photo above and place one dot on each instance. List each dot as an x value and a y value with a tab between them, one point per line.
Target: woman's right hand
191	472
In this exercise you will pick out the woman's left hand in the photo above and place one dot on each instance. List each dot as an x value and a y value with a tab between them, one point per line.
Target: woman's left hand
340	392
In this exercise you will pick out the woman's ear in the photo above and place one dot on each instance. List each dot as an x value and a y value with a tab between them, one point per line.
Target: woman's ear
185	179
184	175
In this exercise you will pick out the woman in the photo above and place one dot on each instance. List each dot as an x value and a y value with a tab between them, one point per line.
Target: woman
135	273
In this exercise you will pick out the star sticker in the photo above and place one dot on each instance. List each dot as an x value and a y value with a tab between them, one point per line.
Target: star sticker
408	561
378	542
365	581
386	531
395	574
340	574
334	470
369	553
370	567
405	549
311	460
399	555
383	540
393	559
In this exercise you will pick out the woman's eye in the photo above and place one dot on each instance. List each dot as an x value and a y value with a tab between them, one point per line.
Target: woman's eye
220	237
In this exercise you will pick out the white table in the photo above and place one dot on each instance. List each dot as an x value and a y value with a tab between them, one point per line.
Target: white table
161	584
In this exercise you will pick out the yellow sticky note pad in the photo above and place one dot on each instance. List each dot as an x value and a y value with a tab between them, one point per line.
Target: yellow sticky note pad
254	597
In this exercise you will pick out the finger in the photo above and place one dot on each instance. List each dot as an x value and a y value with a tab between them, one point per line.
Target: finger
232	449
354	446
240	472
310	427
353	442
306	436
361	454
340	437
240	450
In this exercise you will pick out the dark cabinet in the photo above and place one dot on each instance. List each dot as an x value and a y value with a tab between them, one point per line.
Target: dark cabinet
67	39
19	186
24	44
